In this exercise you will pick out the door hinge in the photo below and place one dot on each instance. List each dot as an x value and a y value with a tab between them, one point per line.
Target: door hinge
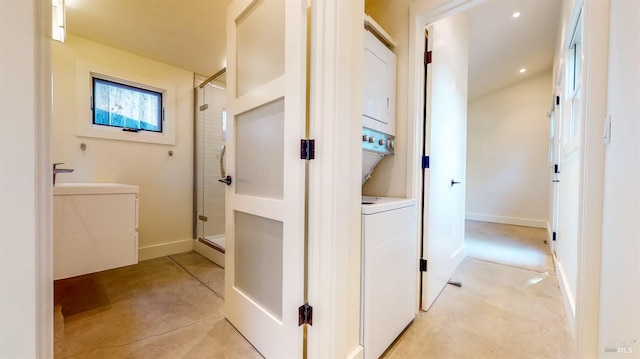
557	100
204	107
427	57
554	236
425	162
307	149
305	314
203	218
423	265
556	168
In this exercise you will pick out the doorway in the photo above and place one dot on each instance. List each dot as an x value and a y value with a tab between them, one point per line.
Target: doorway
445	143
443	13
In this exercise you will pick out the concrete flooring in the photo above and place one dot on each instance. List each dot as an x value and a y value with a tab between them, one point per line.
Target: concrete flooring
171	307
509	305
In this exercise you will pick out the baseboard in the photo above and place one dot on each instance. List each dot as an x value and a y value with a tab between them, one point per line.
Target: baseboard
567	296
165	249
357	353
459	255
527	222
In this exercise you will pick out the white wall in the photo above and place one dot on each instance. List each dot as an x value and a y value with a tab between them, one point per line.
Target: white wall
620	275
507	154
26	290
166	182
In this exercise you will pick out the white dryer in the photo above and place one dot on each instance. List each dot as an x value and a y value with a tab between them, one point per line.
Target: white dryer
389	271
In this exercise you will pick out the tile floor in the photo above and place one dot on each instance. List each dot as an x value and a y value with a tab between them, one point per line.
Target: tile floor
171	307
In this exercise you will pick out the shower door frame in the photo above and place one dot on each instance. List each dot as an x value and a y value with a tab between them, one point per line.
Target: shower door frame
202	245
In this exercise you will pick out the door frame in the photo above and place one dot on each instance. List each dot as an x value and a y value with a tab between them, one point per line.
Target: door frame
334	222
595	38
422	15
31	225
594	108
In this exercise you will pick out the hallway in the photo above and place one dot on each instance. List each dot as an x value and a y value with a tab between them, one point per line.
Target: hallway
171	307
509	305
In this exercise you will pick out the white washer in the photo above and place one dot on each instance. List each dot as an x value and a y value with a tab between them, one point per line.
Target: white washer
389	271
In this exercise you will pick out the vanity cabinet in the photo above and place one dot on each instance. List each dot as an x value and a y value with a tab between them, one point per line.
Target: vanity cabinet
95	227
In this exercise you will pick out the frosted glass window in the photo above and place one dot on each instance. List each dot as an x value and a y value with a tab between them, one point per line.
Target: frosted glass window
258	264
260	45
260	151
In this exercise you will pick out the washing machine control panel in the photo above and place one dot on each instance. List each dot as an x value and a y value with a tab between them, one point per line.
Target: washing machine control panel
375	141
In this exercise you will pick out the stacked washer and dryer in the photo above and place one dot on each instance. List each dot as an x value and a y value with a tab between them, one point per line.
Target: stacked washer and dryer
389	227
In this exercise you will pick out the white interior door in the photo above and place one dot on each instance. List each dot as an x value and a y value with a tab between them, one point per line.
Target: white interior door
264	276
444	183
554	158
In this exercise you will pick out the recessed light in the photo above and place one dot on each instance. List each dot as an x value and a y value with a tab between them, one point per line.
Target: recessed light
516	14
523	70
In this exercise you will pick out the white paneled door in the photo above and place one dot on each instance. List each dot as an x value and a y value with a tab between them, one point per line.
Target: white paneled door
264	280
445	179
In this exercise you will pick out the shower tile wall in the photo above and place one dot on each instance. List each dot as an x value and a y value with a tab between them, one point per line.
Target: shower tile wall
209	140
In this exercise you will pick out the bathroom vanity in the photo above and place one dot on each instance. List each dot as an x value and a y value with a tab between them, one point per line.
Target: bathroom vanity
95	227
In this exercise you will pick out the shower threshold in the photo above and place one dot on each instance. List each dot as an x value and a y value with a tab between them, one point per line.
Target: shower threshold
215	242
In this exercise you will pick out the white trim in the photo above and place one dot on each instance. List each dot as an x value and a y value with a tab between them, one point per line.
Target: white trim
165	249
379	32
358	353
43	188
84	127
516	221
335	112
458	255
567	296
595	38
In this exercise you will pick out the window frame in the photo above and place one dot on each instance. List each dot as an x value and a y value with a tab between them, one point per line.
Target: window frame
159	95
85	72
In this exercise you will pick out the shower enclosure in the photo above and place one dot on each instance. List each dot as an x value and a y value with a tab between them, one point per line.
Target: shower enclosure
209	193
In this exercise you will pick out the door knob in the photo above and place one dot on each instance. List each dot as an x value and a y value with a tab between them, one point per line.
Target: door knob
454	182
226	180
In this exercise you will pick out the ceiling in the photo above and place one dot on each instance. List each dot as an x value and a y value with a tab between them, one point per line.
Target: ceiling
500	45
191	35
188	34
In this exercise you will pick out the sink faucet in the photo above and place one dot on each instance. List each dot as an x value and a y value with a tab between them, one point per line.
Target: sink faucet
59	170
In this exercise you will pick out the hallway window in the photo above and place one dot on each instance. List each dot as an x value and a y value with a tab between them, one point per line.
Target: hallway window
574	80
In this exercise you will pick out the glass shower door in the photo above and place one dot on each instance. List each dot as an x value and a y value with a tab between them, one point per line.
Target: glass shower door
210	137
